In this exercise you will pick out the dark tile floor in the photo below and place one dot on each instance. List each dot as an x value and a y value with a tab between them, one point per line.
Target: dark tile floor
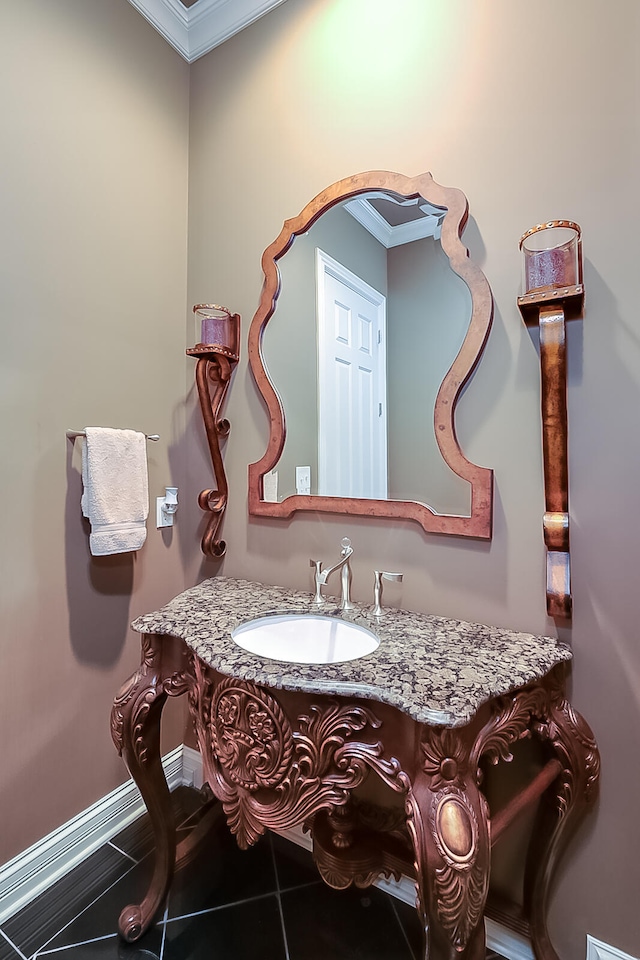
267	902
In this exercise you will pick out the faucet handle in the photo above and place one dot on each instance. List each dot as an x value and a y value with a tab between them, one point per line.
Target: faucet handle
378	577
396	577
347	549
317	580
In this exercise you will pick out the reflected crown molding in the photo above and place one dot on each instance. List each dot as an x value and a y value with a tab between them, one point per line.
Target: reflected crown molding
195	30
395	235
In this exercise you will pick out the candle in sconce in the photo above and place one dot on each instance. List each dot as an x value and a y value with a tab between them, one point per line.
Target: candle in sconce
217	326
214	330
550	256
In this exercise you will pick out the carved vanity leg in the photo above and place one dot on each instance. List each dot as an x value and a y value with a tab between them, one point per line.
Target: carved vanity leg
561	809
135	728
447	817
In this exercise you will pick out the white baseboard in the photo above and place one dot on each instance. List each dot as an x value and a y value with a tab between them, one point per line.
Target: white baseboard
507	942
191	767
32	871
597	950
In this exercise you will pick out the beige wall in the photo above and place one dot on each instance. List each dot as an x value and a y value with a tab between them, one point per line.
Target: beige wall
94	200
94	108
320	89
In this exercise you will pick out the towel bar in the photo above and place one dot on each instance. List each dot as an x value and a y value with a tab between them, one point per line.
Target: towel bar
72	434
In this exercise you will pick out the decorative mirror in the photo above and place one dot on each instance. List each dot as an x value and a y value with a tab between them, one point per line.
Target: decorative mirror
365	335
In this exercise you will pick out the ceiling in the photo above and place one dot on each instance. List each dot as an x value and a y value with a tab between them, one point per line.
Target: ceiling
193	27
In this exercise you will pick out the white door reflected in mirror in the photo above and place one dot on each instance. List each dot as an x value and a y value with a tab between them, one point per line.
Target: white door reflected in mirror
352	383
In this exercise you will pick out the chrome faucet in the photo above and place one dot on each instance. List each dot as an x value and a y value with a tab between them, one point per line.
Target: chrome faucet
321	576
378	577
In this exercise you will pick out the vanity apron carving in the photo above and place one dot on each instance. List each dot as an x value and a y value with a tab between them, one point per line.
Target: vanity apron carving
270	773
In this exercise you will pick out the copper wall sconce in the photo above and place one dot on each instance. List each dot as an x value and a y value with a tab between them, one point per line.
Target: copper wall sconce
217	353
552	292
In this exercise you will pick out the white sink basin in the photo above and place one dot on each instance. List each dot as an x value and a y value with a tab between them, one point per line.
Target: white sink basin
305	638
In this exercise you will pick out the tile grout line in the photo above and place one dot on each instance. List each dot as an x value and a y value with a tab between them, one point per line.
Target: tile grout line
124	853
221	906
46	950
164	929
41	951
12	944
302	886
188	823
72	946
80	912
179	825
279	900
401	925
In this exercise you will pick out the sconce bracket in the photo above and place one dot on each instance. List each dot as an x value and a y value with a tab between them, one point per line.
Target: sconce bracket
549	309
215	365
571	299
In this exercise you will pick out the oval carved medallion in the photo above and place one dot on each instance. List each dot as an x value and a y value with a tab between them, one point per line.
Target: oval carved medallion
250	735
455	829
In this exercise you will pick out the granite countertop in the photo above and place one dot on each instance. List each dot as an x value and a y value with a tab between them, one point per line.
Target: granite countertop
438	671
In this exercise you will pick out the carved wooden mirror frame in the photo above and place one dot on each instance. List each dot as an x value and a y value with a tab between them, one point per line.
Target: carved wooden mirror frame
454	202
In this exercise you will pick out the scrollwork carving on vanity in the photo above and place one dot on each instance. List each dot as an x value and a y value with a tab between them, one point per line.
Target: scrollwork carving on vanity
150	652
138	695
510	722
579	733
445	760
270	773
543	709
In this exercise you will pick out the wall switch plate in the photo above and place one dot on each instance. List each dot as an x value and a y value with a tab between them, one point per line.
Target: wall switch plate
303	480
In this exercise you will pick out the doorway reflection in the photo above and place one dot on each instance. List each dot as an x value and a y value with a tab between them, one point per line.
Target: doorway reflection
393	246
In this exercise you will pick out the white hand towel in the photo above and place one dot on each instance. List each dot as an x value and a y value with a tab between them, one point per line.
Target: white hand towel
115	495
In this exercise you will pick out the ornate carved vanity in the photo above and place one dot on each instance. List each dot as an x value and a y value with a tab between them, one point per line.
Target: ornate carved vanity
286	744
438	701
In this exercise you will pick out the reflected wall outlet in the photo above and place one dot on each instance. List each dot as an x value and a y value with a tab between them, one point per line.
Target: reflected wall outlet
303	480
270	487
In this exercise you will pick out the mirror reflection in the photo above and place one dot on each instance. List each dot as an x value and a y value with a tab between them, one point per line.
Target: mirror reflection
370	318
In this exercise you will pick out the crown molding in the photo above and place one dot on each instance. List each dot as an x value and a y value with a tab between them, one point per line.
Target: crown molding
194	31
